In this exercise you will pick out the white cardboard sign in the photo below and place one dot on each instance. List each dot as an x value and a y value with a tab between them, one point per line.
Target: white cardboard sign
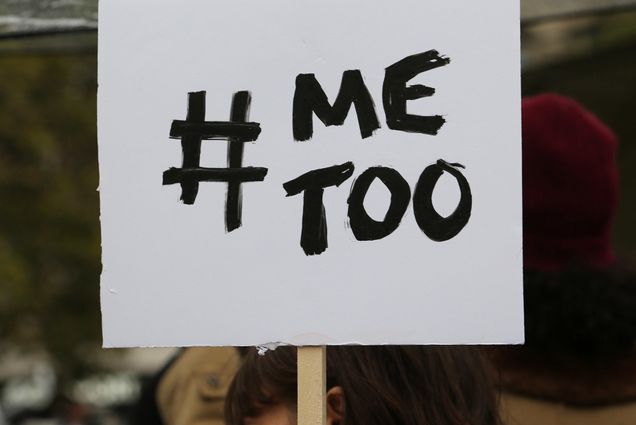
310	172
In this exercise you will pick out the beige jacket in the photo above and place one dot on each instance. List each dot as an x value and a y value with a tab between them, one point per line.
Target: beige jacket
192	392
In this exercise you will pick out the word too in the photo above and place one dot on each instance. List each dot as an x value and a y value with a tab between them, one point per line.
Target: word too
313	237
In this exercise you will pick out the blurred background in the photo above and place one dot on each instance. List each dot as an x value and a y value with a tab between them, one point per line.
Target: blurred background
52	370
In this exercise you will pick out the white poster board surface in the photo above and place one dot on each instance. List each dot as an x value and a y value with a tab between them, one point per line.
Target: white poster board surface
232	215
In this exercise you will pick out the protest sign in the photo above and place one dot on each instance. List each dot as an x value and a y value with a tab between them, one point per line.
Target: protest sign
310	172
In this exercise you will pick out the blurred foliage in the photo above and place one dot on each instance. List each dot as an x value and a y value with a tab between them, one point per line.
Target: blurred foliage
60	44
49	214
616	28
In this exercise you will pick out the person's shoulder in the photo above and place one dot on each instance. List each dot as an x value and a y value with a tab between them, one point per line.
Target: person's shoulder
195	385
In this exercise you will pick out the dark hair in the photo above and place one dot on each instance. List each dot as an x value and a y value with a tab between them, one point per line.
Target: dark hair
402	385
582	311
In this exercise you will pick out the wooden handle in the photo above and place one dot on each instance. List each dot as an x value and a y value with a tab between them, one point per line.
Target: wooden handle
312	382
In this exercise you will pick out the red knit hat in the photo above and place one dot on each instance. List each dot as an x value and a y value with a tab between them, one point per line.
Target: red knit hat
570	185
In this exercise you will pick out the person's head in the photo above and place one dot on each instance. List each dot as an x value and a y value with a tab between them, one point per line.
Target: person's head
380	385
580	320
578	298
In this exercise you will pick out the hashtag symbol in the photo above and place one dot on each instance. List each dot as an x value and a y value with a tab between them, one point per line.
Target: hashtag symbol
236	132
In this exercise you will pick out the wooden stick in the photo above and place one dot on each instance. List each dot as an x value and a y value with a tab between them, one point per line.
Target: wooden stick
312	382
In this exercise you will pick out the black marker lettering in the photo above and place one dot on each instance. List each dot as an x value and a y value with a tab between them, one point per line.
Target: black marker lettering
395	93
234	202
313	237
433	225
237	131
309	98
365	228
